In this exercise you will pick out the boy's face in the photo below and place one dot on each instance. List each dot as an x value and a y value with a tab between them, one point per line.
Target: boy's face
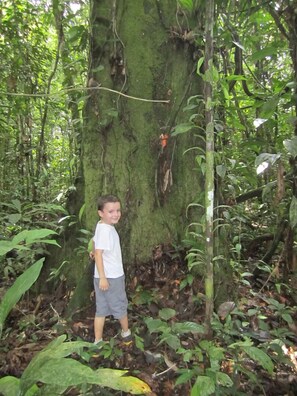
111	213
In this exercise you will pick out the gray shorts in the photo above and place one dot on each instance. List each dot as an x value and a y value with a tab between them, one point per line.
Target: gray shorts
112	301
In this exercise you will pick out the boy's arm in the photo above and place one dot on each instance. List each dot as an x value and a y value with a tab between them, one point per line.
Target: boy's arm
103	282
92	251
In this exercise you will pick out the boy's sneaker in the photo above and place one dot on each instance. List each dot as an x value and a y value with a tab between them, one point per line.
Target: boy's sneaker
126	337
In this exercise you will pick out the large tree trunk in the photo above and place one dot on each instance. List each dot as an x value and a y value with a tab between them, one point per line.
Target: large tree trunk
143	49
123	154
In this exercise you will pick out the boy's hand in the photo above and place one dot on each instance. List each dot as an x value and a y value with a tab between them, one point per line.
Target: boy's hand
103	284
92	255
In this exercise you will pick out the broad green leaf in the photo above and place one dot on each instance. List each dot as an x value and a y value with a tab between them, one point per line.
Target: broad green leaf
156	325
6	246
293	212
75	32
55	349
120	381
15	292
241	344
172	340
184	377
203	386
223	379
9	386
235	77
17	204
14	218
268	109
31	236
287	317
261	357
188	327
48	242
266	51
188	4
291	146
167	313
221	170
48	389
182	128
64	372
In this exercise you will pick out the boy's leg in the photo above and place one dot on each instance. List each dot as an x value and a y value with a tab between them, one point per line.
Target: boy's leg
126	332
124	323
98	327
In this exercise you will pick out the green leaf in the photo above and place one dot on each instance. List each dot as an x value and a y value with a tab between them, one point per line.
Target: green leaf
167	313
6	246
57	349
32	236
9	386
261	357
287	317
14	218
203	386
182	128
221	170
17	204
267	51
172	340
15	292
64	372
223	379
188	327
268	109
293	212
291	146
117	379
156	325
188	4
184	377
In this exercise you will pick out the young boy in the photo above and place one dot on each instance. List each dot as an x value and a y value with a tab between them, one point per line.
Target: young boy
109	278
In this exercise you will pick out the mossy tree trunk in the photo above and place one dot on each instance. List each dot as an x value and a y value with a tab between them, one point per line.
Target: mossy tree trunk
142	49
122	150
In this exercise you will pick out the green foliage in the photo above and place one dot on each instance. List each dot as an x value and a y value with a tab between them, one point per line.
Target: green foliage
233	341
16	291
55	370
170	332
40	122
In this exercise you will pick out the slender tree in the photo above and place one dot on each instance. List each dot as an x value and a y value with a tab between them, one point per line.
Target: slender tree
209	174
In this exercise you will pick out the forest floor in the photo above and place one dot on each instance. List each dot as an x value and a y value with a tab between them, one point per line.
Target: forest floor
34	322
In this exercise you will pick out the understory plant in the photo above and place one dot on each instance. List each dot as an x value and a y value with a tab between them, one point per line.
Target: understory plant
55	369
216	366
52	371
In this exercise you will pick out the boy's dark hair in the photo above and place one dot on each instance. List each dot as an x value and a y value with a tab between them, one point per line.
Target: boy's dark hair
104	199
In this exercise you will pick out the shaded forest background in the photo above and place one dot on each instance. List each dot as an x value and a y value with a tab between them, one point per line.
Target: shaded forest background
109	96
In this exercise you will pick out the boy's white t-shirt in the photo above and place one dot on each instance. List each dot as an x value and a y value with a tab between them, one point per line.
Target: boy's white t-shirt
107	239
